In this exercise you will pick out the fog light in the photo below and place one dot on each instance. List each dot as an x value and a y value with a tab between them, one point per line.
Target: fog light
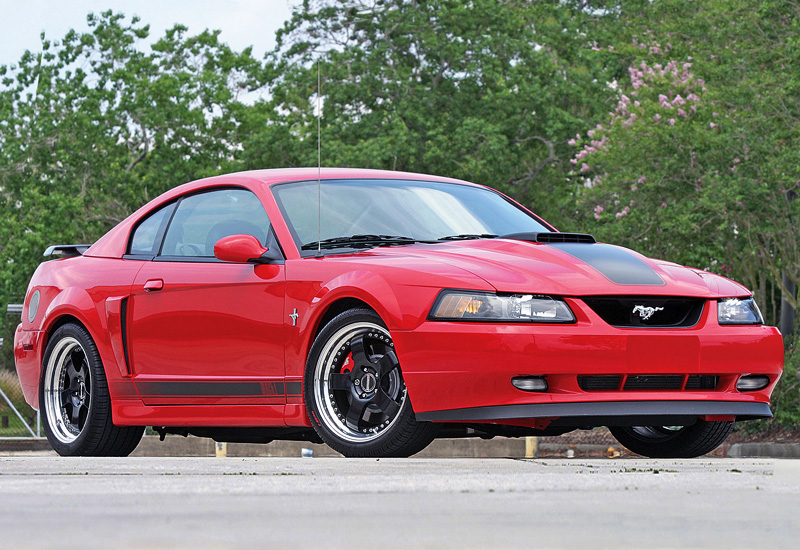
529	383
752	382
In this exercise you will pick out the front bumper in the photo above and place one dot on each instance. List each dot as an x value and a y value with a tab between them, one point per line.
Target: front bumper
462	371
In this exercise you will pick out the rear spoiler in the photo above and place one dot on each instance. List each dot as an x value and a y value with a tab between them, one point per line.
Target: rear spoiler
67	250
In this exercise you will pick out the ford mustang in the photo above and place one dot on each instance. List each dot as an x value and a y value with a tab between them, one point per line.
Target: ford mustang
375	311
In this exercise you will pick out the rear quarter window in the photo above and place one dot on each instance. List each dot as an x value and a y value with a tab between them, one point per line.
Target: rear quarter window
145	239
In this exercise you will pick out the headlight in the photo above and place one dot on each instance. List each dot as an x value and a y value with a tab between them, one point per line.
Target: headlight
738	311
459	305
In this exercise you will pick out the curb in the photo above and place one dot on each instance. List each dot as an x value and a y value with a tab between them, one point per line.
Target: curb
440	448
764	450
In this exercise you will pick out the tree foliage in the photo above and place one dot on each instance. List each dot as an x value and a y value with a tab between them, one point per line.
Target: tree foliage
94	126
692	110
699	161
672	127
486	91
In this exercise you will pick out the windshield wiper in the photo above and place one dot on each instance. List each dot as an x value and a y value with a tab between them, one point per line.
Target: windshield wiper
467	236
360	241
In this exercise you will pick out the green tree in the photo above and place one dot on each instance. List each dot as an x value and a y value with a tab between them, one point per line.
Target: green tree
486	91
98	123
699	162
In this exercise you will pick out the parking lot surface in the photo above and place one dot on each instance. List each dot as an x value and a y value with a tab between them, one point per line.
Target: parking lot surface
388	503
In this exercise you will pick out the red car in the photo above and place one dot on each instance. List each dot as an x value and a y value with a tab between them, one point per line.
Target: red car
376	311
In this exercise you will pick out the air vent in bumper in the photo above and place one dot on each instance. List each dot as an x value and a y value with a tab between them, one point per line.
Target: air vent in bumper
652	382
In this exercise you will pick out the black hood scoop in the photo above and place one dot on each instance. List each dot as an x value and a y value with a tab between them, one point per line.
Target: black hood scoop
550	238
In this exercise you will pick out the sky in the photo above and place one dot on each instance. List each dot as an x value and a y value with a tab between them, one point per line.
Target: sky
242	22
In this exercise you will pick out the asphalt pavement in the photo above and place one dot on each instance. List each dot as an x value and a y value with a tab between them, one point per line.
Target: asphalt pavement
48	502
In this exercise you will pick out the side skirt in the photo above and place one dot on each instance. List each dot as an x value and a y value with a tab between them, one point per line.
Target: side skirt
131	412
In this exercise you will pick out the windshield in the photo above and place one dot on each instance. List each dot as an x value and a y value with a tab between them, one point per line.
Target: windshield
422	211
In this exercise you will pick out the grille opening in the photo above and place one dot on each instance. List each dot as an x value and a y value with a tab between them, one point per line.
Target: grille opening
633	382
702	382
599	383
647	311
654	382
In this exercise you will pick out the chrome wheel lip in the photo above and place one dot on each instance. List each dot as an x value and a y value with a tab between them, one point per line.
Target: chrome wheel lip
329	415
54	384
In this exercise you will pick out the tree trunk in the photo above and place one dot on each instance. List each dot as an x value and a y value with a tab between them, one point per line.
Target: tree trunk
787	311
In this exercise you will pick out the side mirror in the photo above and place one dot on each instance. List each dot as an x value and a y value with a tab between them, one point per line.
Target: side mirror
240	249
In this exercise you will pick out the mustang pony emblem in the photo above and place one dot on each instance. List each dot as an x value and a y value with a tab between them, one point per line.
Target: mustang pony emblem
645	312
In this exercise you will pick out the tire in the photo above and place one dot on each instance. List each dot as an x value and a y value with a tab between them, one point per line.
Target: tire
354	391
673	441
75	402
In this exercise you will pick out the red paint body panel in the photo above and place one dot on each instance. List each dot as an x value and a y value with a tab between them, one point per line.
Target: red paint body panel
28	349
461	365
209	319
213	344
131	413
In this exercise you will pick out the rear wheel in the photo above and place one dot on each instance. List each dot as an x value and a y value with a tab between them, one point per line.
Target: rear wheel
673	441
354	390
74	399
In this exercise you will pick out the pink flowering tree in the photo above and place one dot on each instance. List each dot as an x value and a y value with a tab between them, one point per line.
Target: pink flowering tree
645	174
698	160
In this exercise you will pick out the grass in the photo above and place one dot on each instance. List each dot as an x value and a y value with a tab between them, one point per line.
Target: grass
9	383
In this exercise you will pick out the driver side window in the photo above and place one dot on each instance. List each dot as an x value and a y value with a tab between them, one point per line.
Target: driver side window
203	219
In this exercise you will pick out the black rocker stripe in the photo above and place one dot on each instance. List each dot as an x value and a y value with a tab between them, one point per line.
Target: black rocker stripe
616	263
172	388
294	388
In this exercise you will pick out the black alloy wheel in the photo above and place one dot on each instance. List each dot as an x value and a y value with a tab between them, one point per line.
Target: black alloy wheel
356	397
74	399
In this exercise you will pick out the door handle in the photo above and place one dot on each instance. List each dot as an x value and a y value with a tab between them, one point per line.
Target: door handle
153	284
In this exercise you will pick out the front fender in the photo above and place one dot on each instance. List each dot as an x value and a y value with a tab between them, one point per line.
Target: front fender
365	286
401	294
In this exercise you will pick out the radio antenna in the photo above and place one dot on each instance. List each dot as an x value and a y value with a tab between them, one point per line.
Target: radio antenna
319	164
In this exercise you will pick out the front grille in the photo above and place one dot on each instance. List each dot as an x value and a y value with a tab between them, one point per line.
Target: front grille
647	311
652	382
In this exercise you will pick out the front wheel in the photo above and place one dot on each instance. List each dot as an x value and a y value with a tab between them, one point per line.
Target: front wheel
74	399
354	390
673	441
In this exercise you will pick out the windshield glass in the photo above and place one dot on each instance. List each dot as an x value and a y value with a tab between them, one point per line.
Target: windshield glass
423	211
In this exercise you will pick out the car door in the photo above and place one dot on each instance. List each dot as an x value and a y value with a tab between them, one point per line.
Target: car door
203	331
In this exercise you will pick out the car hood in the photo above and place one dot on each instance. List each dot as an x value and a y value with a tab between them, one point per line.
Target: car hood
568	269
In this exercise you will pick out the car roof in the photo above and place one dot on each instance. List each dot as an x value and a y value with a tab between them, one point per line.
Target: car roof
113	242
286	175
